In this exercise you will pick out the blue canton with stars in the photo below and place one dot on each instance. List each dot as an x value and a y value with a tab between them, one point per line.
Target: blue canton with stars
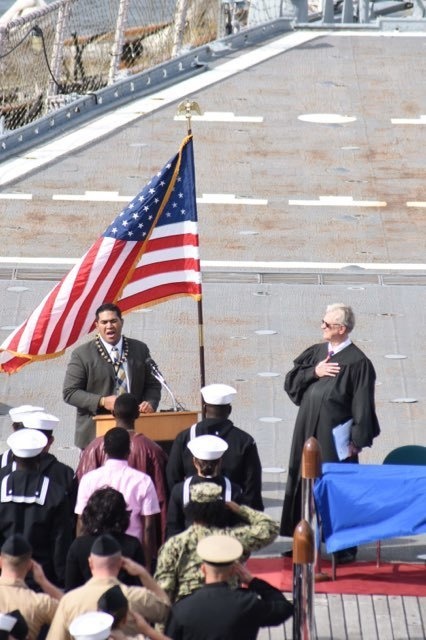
136	219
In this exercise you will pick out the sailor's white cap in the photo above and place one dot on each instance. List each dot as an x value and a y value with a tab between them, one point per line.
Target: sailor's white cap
218	394
27	443
93	625
17	413
207	447
40	420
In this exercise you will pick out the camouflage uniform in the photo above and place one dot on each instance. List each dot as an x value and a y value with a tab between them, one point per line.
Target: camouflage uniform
179	567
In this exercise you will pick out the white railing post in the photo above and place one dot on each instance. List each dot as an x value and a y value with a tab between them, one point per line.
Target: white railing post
180	19
117	46
58	48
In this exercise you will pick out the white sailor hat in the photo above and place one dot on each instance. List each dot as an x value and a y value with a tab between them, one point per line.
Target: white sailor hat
218	394
93	625
40	420
207	447
17	413
27	443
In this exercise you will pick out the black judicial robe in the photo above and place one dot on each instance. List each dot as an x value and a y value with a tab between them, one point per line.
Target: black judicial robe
325	403
240	463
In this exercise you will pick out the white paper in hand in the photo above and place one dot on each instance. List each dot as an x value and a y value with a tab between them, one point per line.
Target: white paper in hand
342	438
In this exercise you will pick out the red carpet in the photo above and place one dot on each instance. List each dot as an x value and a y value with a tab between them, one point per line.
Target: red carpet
359	577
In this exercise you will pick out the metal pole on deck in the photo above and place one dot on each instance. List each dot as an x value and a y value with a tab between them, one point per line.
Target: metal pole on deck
187	108
303	581
310	471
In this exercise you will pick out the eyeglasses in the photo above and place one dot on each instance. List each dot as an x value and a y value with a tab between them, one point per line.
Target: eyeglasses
328	325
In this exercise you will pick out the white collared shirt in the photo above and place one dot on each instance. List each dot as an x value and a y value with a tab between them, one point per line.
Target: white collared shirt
339	347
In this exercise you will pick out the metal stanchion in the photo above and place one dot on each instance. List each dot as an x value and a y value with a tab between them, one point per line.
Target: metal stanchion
311	470
303	581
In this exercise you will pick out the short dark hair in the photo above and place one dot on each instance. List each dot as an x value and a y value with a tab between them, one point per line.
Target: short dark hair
105	512
126	407
117	443
16	426
221	411
108	306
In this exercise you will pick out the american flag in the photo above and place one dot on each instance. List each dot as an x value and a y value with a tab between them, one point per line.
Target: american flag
148	254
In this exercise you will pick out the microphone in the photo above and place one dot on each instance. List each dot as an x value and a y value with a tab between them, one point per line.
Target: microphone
159	376
154	367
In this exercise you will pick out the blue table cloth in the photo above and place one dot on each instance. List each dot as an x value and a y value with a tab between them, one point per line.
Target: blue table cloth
361	503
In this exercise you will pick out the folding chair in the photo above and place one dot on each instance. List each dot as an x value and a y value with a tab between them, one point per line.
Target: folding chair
410	454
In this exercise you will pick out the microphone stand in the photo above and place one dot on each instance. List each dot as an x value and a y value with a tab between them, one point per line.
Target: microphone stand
158	376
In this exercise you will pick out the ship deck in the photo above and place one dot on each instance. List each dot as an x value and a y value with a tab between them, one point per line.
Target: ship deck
310	178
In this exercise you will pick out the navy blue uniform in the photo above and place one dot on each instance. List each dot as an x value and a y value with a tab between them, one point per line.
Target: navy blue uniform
218	612
240	463
38	508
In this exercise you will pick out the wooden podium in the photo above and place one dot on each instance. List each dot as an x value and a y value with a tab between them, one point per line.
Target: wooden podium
161	426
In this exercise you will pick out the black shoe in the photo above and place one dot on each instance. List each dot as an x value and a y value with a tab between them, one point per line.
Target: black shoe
287	554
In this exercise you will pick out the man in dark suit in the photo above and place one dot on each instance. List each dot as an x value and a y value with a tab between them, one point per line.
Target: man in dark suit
104	368
218	612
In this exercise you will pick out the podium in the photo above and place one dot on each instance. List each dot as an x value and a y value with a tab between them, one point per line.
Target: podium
162	426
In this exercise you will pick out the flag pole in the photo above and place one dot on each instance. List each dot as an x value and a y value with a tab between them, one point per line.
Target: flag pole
187	109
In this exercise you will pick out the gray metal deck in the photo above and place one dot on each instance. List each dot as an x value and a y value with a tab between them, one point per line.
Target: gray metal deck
370	255
363	617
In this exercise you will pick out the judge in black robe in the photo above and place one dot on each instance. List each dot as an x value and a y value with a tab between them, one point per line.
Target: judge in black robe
331	382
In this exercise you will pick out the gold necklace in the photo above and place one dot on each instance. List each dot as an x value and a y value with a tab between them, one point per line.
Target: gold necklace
106	356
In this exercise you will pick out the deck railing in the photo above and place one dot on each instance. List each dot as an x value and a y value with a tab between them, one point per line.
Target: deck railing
67	49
